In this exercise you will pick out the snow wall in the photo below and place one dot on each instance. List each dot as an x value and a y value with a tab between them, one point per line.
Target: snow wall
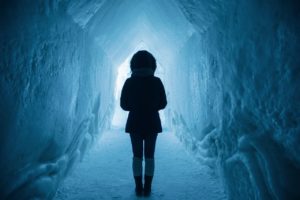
233	91
54	97
243	81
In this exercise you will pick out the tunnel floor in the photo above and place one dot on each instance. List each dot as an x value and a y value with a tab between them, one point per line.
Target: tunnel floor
105	173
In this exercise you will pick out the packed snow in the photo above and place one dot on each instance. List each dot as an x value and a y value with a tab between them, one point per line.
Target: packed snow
106	173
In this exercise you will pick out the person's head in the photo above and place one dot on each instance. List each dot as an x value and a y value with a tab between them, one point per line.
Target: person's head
143	59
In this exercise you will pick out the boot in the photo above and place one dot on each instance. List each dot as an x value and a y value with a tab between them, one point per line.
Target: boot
149	171
138	185
147	186
137	168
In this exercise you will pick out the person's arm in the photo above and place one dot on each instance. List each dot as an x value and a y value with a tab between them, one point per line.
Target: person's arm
125	97
162	96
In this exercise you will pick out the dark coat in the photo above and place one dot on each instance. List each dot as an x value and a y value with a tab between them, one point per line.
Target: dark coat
143	97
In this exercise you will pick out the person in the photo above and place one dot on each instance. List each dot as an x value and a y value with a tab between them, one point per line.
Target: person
143	95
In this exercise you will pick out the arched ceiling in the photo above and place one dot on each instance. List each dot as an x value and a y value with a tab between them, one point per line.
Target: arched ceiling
120	26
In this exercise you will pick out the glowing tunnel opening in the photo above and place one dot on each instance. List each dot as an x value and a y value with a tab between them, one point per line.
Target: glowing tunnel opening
119	116
122	73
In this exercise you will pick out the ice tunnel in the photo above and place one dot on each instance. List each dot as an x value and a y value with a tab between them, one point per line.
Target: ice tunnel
231	71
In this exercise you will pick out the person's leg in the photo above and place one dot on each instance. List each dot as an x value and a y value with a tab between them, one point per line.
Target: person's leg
149	151
137	161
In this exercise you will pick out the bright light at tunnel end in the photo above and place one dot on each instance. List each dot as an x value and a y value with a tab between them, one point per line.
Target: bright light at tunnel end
123	72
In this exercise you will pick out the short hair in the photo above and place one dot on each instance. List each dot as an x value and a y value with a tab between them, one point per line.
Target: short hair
143	59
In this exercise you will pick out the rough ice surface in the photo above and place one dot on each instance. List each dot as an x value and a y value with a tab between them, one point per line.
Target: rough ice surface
243	82
231	71
53	99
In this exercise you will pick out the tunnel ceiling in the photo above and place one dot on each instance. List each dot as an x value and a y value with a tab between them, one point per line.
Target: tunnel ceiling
132	24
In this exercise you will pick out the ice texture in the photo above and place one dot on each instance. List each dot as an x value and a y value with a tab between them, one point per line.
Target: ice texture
231	71
174	170
242	82
53	99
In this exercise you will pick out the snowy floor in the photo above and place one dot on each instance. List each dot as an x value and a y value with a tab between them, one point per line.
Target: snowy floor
105	173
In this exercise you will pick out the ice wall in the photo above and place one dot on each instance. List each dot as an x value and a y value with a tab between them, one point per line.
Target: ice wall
231	75
242	84
52	82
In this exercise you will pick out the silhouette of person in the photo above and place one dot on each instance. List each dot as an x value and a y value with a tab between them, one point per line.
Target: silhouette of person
143	95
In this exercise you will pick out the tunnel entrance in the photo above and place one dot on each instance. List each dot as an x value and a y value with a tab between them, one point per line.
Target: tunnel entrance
145	31
120	116
123	72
